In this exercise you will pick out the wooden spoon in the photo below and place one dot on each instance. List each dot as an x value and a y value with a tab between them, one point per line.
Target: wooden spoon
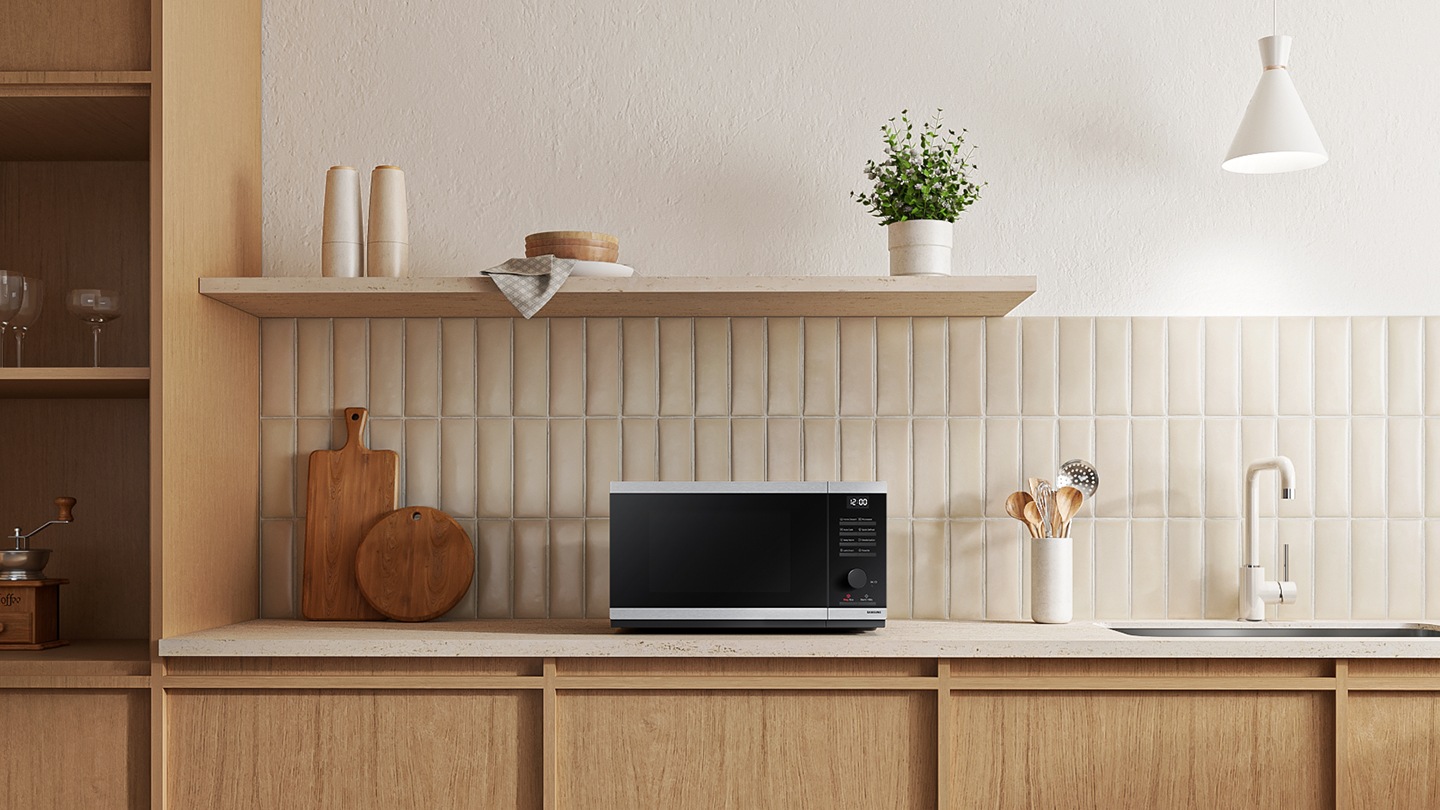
1015	508
1032	516
1067	503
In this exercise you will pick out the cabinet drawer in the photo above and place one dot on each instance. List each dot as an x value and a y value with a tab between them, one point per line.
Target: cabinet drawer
16	628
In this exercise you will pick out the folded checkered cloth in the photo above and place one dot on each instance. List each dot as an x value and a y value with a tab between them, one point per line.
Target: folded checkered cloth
530	283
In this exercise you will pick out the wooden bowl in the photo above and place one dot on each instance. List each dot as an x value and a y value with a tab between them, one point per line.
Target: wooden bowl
585	253
547	237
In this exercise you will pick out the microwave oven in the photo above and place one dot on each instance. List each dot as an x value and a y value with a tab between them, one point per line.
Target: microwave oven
747	555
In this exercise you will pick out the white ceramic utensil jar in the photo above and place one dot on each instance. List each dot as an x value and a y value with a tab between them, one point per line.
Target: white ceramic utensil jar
1052	580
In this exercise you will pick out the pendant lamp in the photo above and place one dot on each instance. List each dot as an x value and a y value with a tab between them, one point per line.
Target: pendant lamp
1276	134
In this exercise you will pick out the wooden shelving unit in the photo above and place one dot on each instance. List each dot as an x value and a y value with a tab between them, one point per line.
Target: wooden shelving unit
74	383
86	664
640	296
75	115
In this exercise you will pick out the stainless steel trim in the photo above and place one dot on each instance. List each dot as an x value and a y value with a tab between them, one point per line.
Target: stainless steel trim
856	613
718	487
856	487
718	613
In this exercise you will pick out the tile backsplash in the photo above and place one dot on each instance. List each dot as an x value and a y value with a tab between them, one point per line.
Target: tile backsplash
517	428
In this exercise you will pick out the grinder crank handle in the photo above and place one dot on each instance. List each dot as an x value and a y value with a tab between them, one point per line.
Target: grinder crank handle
65	505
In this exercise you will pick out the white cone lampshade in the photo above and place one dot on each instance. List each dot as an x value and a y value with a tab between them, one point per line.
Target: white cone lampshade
1276	134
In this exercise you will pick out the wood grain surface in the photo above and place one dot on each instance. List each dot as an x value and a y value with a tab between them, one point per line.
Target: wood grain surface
415	564
47	766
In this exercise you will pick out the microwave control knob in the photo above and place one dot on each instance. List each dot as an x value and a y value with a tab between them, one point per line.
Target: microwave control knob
857	578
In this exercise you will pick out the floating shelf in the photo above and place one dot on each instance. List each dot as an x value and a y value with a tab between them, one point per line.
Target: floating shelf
647	297
75	115
74	383
83	664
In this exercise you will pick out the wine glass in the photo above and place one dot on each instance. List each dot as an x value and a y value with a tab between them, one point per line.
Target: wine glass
12	293
97	308
30	304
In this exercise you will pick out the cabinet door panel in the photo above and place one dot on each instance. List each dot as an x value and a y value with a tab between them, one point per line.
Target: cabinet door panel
1392	749
69	748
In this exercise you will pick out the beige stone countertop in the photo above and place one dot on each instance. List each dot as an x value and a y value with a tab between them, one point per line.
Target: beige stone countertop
569	638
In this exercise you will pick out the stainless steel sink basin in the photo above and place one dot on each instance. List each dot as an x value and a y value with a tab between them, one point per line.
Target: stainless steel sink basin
1270	631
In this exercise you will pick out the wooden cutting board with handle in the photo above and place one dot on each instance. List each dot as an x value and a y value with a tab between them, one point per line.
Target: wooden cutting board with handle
349	490
415	564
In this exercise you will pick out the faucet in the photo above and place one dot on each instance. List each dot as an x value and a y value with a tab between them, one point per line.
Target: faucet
1255	590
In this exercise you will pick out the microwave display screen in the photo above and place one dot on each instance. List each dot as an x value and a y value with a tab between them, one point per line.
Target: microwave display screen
691	551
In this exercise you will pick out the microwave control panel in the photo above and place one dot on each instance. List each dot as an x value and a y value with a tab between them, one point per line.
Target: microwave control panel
857	549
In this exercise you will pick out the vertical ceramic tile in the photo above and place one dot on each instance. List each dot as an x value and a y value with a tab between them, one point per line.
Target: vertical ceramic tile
1185	486
1222	569
1005	572
312	367
277	569
494	568
532	364
1332	366
1002	367
1367	366
1149	573
277	468
468	607
892	366
892	463
1257	441
712	449
602	367
928	343
1405	577
1037	449
1299	536
1405	353
532	569
422	367
1147	366
458	487
785	447
493	343
532	452
638	366
747	449
712	366
1002	464
422	463
277	367
784	344
929	569
311	435
494	452
1038	366
1432	366
966	361
1332	569
897	567
677	352
567	367
1405	466
1112	462
350	343
1223	470
1076	362
1148	468
1222	366
1185	384
1112	366
1185	569
857	449
967	569
1432	468
1368	567
567	569
968	487
1257	366
388	434
931	463
1296	366
597	569
1367	468
457	366
677	450
602	464
822	367
567	468
1293	440
1432	569
747	366
822	450
857	366
1332	468
1112	569
387	367
638	457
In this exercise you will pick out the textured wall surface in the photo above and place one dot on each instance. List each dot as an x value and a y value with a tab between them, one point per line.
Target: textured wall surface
517	428
723	138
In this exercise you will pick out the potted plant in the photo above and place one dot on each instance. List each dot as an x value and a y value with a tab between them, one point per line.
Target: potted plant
923	184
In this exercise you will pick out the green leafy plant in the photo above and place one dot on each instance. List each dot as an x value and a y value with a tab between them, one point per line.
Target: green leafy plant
923	176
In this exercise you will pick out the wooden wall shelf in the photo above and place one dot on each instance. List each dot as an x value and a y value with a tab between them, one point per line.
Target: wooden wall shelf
86	664
75	115
74	383
765	296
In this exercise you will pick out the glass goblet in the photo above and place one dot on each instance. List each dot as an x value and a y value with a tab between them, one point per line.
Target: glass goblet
30	305
12	293
97	308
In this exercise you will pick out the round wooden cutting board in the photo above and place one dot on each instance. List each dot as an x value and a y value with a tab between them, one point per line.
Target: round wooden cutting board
415	564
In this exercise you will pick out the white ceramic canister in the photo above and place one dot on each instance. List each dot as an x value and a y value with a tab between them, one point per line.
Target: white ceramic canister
342	244
920	247
389	241
1052	580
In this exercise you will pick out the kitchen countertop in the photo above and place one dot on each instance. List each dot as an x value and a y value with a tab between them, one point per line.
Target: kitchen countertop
570	638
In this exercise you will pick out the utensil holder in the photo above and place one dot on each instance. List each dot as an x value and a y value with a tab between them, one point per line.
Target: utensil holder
1052	580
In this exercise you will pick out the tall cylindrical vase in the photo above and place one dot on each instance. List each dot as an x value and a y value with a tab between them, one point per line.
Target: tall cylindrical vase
920	247
1052	580
389	245
342	244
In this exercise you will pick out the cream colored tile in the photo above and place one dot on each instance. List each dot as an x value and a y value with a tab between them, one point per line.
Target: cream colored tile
929	569
1405	577
1332	468
277	569
966	360
494	569
387	367
468	606
639	372
1005	574
892	463
747	366
1082	539
532	361
677	353
747	450
532	453
457	366
1112	569
597	569
784	345
602	464
1405	467
1257	441
1296	366
1002	367
1223	468
1185	570
458	487
1148	570
1147	366
422	463
1405	354
567	569
1367	366
1037	449
277	468
1077	439
1222	569
493	342
822	367
929	341
389	434
1186	457
1332	569
1076	363
785	447
639	459
967	569
602	367
1332	366
822	450
1148	468
532	569
1294	440
567	367
1222	366
312	435
422	367
1185	338
1432	366
1112	461
1432	569
1038	366
968	487
312	367
1367	468
1112	366
1257	366
277	367
1003	474
712	366
567	468
494	453
350	342
1299	535
931	465
712	449
1368	567
857	366
857	450
892	366
897	567
677	450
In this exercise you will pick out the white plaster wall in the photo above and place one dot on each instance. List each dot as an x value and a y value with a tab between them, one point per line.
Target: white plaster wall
723	138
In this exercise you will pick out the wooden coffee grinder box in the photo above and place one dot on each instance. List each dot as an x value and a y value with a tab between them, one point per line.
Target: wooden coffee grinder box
30	614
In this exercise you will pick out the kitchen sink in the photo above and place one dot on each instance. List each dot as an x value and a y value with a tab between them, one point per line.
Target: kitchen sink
1271	631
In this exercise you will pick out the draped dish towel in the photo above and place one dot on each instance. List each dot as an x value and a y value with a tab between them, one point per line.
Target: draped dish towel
530	283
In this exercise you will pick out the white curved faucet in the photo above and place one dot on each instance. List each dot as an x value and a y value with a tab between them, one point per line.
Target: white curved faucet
1255	590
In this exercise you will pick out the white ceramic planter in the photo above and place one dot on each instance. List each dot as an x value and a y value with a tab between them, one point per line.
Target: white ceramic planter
920	247
1052	580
